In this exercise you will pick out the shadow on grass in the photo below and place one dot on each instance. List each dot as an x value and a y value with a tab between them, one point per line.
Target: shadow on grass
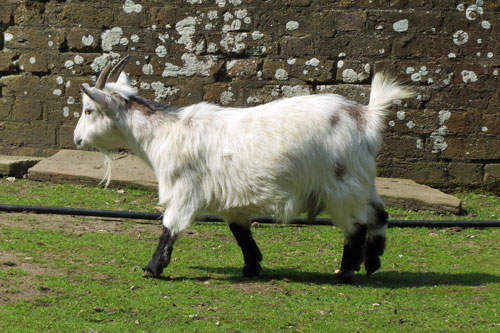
391	279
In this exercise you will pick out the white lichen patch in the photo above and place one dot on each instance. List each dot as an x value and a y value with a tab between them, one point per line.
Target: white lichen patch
147	69
291	61
226	97
438	142
290	91
32	60
59	80
145	85
292	25
87	40
110	38
486	25
452	55
420	144
484	129
134	38
392	123
401	115
349	75
191	66
78	59
281	74
314	62
256	35
69	64
469	76
401	25
161	51
489	55
186	29
410	124
100	62
70	100
65	111
57	92
233	42
460	37
162	92
461	7
443	116
253	100
130	7
7	36
473	11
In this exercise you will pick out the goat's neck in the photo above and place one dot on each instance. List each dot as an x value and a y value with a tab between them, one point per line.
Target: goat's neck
141	133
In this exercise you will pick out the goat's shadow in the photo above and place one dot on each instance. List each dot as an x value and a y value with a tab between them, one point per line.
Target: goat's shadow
382	279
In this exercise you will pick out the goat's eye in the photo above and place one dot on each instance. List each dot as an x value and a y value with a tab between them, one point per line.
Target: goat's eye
88	112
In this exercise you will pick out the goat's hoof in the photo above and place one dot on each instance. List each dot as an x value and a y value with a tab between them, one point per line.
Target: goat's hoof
372	265
344	276
251	271
148	273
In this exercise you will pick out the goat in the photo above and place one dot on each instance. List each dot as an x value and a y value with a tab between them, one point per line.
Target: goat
290	156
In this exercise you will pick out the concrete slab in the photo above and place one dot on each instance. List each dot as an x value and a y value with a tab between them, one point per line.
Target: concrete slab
84	167
16	166
407	194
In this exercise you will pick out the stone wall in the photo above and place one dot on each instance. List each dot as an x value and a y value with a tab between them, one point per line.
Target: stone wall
247	52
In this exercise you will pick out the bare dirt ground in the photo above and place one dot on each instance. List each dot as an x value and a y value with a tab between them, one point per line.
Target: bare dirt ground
27	285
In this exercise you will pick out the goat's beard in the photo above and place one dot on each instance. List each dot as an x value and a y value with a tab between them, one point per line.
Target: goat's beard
107	168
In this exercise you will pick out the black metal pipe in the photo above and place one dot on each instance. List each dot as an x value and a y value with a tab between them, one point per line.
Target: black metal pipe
261	219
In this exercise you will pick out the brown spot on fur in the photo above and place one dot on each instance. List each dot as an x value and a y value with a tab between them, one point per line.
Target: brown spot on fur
334	119
357	112
340	171
144	109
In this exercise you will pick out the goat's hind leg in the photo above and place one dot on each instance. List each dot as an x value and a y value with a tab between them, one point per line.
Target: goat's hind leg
161	257
375	241
251	252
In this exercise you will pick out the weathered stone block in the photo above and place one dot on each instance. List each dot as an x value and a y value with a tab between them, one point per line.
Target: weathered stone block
297	46
34	62
243	69
6	13
492	175
350	20
66	137
465	173
79	39
33	38
7	61
478	148
5	108
27	110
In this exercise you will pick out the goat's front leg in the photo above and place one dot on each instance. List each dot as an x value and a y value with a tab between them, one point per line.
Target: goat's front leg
251	252
353	254
161	256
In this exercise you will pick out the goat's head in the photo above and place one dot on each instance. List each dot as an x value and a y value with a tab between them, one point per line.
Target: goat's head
103	106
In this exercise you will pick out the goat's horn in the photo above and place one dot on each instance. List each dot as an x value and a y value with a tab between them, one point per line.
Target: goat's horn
115	72
101	81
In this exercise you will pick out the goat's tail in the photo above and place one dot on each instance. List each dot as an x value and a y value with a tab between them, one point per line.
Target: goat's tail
384	91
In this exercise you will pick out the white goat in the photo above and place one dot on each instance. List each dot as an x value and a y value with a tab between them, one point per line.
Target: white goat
302	154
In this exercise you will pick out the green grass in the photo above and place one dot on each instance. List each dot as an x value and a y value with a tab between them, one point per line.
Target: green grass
63	278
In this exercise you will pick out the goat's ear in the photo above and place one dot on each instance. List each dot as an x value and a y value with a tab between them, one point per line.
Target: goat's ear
123	79
94	94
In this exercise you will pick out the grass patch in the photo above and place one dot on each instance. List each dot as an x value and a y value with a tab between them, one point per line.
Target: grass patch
84	274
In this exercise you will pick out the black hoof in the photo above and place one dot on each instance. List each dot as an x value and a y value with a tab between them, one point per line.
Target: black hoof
343	277
251	271
151	272
372	265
